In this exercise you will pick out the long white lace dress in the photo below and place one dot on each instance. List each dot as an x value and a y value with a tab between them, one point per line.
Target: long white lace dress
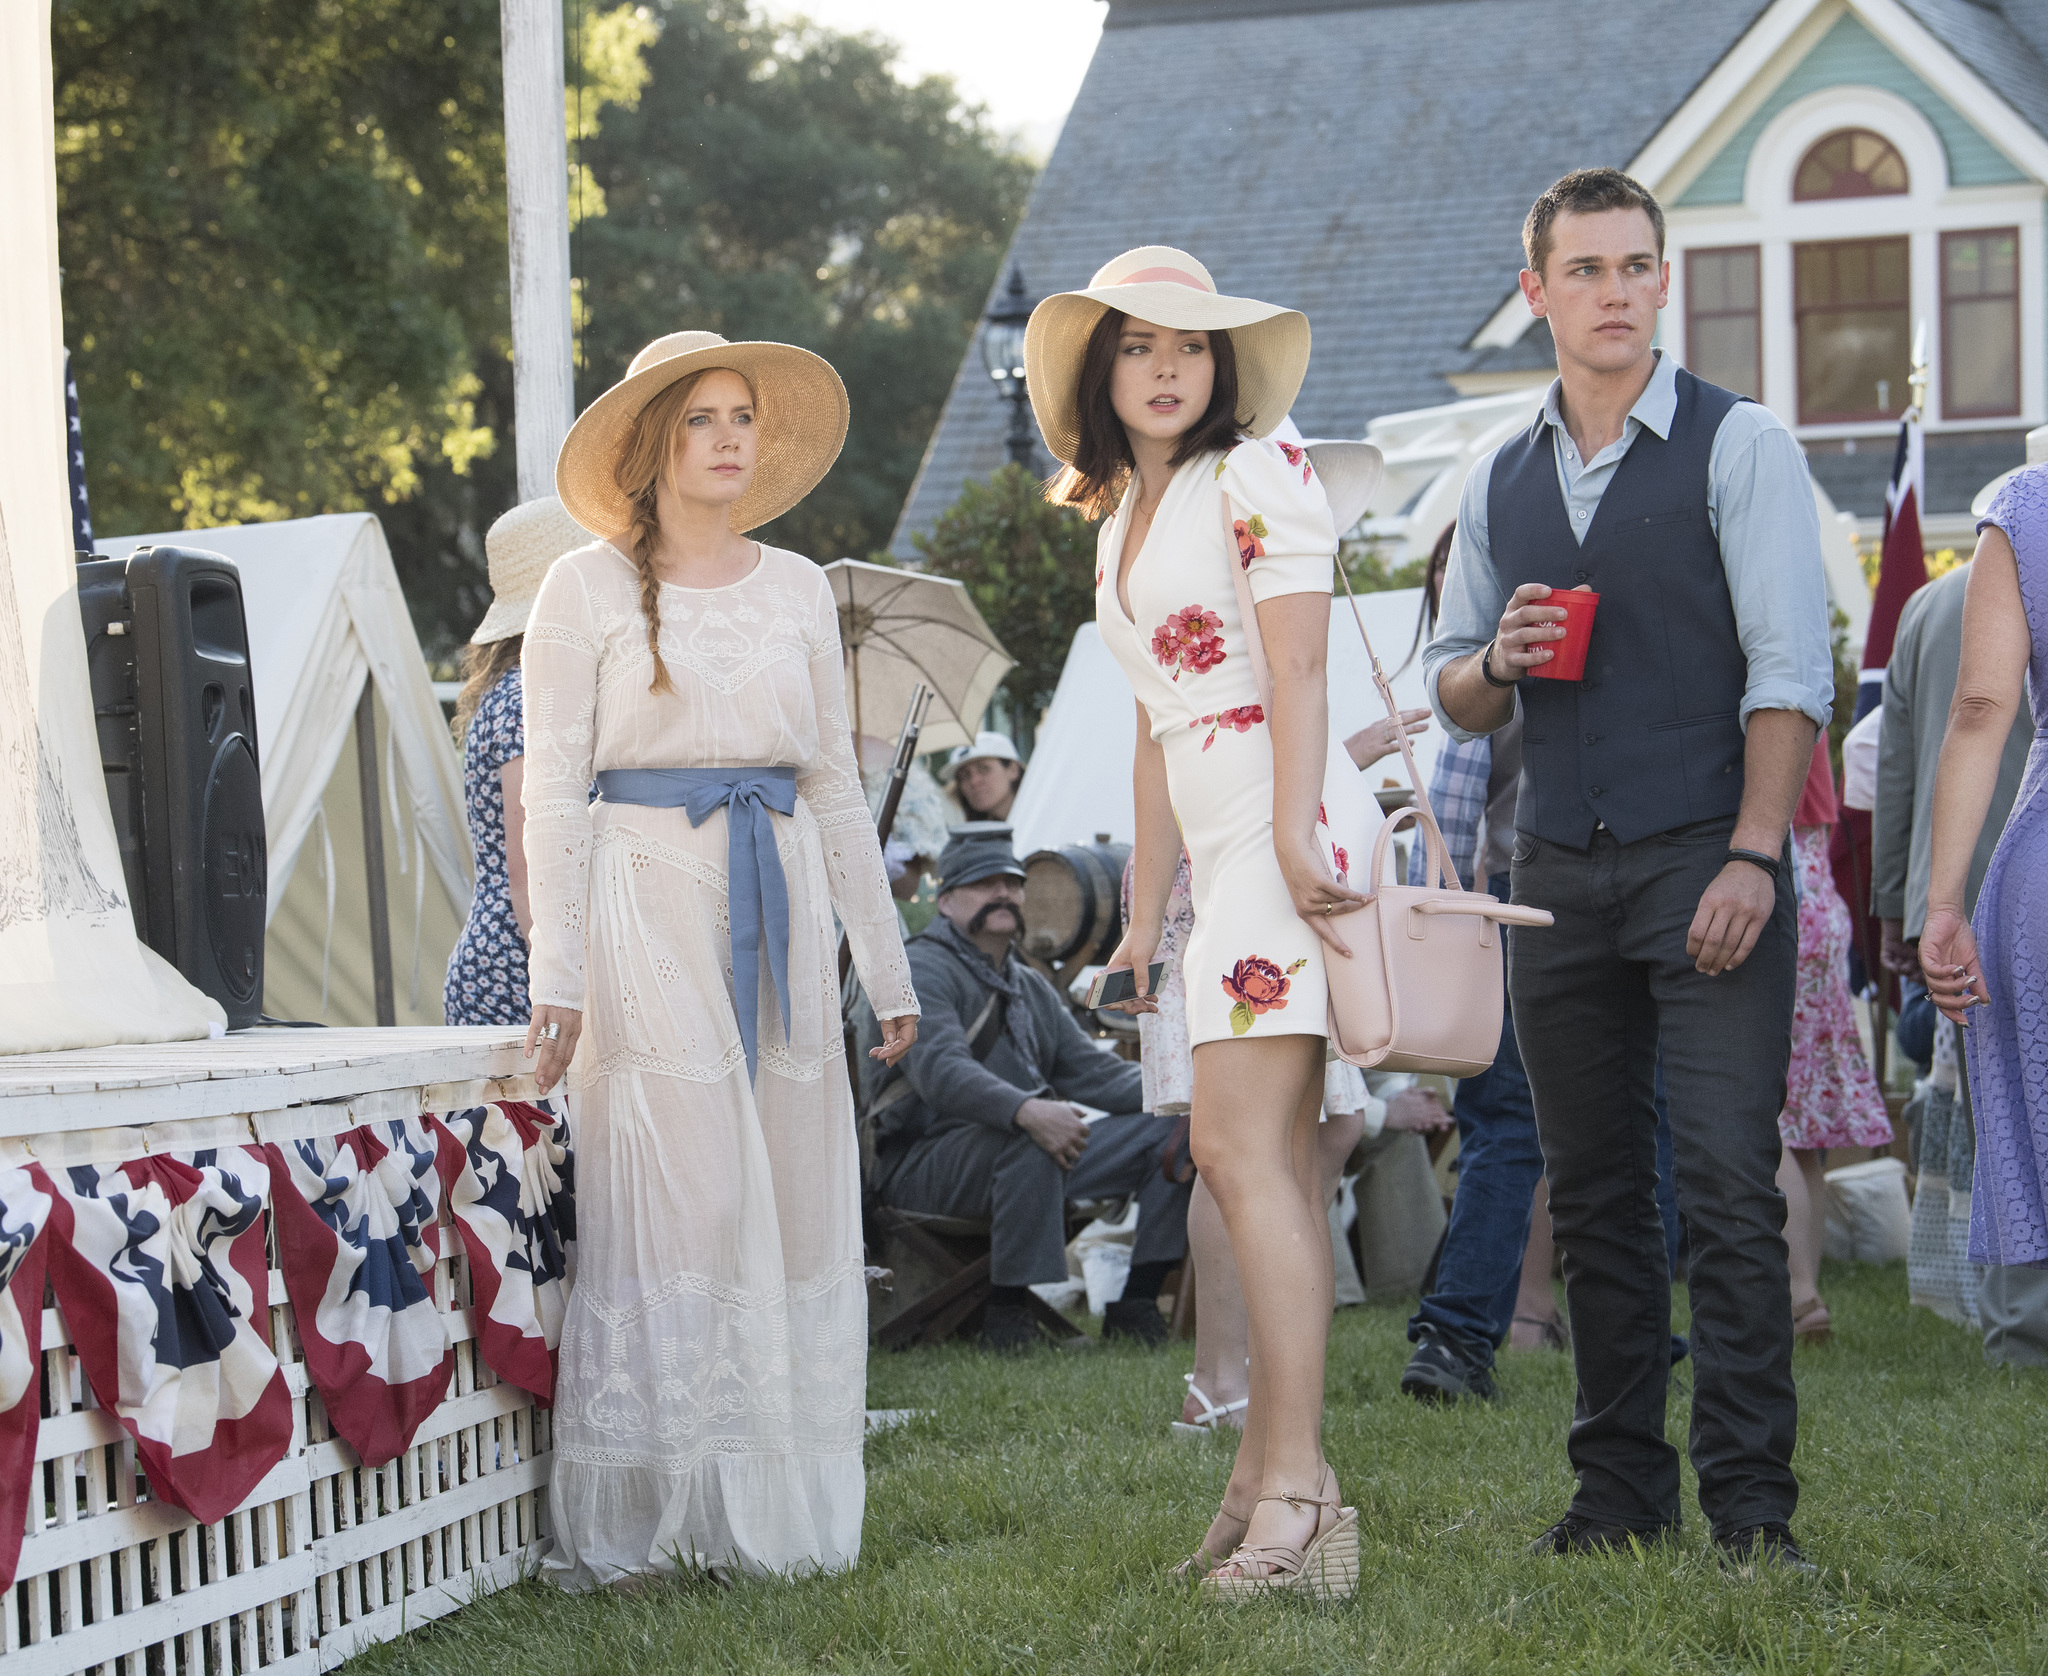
714	1357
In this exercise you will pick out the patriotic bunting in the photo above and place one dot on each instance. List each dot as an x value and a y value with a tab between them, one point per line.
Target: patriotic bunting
24	1209
353	1215
507	1172
159	1269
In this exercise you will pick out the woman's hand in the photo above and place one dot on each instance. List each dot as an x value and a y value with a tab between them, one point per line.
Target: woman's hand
899	1035
557	1051
1948	961
1378	739
1318	898
1137	951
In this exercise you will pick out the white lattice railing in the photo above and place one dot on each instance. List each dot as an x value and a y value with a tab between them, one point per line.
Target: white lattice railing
325	1557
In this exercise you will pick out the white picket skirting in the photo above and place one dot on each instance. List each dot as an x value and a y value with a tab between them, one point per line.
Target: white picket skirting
325	1557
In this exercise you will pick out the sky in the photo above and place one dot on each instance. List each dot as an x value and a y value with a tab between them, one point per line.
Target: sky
1024	59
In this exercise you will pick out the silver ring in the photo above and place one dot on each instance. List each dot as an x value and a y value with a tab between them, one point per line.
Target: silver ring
551	1032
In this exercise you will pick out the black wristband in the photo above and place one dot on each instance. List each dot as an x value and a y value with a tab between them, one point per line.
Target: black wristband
1486	669
1756	858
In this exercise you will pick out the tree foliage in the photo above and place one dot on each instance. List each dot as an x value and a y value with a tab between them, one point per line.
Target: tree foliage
282	224
282	229
1030	567
783	183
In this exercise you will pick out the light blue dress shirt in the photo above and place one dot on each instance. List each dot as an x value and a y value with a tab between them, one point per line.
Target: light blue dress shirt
1760	506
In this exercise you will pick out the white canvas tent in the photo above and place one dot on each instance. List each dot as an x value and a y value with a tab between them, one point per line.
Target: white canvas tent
325	613
1079	780
1432	450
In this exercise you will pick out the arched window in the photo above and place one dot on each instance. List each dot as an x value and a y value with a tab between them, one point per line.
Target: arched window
1850	163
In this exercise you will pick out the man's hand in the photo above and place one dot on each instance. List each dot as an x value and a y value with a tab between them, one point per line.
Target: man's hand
1895	954
1732	915
1527	628
1418	1109
1056	1127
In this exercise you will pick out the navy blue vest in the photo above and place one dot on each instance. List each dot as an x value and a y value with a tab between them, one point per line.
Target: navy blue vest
1651	738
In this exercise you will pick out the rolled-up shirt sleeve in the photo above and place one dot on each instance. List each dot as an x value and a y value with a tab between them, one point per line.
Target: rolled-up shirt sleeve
1473	598
1761	500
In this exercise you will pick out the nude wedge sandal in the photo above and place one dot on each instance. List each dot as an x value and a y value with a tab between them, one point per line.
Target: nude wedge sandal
1327	1569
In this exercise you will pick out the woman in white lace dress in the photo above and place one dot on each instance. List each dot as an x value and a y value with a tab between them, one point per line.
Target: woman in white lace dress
713	1362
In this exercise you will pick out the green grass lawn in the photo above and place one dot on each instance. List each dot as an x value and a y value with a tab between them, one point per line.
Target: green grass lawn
1028	1526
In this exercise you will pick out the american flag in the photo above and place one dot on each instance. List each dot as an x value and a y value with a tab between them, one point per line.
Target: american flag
74	435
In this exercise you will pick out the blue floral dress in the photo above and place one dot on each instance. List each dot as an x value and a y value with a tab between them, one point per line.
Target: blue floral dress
487	971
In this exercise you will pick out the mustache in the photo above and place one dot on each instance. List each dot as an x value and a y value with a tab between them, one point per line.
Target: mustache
989	910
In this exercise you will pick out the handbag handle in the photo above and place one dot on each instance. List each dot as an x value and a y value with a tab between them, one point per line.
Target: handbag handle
1262	673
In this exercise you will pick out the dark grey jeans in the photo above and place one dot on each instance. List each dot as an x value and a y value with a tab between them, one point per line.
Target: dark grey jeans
1593	997
973	1170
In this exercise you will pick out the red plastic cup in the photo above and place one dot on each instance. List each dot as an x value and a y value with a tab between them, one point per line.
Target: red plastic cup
1568	656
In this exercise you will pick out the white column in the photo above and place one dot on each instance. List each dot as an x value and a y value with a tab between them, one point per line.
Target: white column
537	206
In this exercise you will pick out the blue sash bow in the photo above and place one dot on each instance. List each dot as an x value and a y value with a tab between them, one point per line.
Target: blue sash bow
758	894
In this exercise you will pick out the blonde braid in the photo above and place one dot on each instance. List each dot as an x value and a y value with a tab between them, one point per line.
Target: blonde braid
644	455
642	534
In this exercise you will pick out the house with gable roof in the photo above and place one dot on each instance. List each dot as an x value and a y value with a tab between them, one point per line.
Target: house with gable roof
1842	179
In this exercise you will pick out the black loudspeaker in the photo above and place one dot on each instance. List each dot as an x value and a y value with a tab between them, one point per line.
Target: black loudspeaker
168	649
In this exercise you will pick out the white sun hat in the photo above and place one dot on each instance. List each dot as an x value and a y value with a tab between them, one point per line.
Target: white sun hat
799	411
1350	473
520	547
987	747
1165	287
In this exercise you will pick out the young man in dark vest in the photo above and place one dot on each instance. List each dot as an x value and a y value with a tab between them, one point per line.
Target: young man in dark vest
1655	806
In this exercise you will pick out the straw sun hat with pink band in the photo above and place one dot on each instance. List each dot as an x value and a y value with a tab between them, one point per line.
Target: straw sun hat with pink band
1169	288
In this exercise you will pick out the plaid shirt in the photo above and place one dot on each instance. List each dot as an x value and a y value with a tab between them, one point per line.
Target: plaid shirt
1457	794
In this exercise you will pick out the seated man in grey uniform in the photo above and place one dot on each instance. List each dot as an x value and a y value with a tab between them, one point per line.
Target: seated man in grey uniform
976	1121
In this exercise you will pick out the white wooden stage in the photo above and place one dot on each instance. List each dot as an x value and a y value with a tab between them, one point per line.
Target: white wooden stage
325	1557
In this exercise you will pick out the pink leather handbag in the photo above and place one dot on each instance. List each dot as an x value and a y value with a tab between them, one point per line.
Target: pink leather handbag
1422	989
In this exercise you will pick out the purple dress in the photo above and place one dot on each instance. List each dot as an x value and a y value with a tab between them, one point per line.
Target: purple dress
2007	1042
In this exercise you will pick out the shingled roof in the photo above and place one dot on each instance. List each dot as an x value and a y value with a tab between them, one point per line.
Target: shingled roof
1369	162
1366	161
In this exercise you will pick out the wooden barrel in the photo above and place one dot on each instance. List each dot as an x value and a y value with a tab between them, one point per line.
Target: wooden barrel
1073	902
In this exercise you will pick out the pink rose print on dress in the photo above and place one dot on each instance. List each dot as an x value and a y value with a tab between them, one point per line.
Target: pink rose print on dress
1257	985
1244	718
1322	815
1296	457
1251	534
1188	640
1342	857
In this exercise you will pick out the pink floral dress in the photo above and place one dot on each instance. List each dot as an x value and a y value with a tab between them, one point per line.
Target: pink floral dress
1831	1099
1251	965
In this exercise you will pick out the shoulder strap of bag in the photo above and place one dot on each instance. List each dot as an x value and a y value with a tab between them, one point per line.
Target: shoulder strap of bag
1262	672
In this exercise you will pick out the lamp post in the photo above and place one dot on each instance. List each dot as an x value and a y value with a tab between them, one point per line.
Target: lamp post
1002	353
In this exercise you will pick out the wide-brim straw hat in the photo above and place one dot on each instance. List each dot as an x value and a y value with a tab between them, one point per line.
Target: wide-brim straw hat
519	548
799	412
1165	287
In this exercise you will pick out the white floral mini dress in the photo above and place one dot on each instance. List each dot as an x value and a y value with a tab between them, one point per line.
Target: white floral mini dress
1252	966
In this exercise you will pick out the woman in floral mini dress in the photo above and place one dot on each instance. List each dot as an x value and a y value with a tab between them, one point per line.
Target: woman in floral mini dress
1831	1099
1150	386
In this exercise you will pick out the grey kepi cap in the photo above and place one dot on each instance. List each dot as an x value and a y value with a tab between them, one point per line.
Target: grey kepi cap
977	850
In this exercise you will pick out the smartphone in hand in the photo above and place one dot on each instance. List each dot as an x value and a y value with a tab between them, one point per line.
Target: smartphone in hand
1118	983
